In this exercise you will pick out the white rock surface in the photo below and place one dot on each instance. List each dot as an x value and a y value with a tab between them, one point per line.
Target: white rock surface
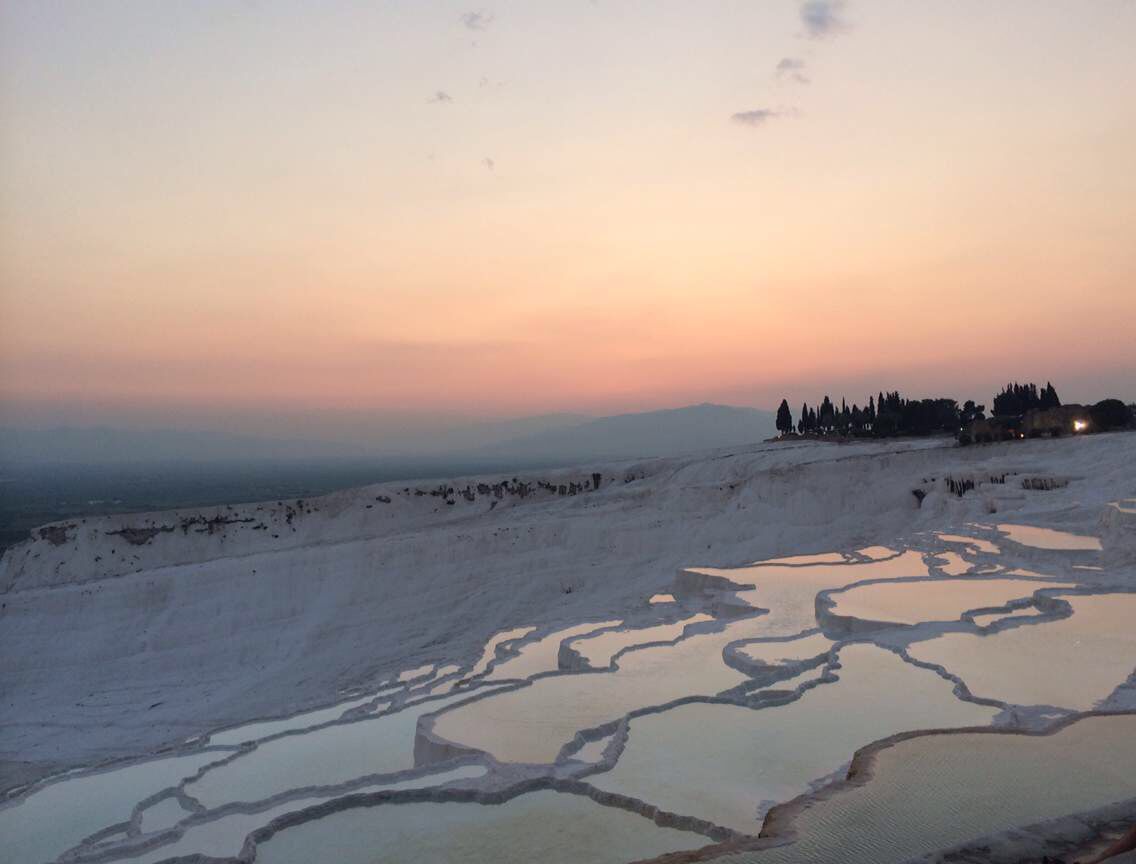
118	644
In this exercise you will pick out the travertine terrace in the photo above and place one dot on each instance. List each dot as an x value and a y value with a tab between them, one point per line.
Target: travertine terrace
715	655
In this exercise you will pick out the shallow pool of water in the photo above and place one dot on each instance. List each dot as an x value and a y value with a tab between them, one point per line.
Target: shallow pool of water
545	826
62	814
877	552
416	672
489	654
599	650
1047	538
224	837
541	655
593	751
992	617
932	792
789	592
933	600
1071	663
165	814
728	764
255	731
794	682
335	754
978	543
781	652
533	723
952	564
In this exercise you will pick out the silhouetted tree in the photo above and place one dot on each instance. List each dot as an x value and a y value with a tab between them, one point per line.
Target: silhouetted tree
1110	414
1048	398
887	424
826	415
892	414
1016	399
971	412
784	418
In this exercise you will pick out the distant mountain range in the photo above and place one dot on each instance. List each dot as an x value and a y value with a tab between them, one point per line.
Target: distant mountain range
651	433
559	438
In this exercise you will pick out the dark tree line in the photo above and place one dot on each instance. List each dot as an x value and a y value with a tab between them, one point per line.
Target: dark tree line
1110	414
1015	399
889	414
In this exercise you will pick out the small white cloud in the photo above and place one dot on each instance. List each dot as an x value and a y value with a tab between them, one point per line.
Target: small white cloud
441	97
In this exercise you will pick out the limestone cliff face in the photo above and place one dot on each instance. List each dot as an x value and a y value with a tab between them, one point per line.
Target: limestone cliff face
79	551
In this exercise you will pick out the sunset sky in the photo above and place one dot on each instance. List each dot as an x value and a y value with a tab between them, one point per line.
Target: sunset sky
283	215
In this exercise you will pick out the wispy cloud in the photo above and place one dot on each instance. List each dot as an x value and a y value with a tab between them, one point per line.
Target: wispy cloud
760	116
792	69
441	97
477	20
488	163
823	18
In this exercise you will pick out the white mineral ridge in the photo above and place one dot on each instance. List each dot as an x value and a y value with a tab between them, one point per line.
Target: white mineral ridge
114	648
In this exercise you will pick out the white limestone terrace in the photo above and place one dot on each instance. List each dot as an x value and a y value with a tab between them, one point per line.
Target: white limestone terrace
226	814
361	608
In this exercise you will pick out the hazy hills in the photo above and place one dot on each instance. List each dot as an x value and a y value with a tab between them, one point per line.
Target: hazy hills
652	433
558	438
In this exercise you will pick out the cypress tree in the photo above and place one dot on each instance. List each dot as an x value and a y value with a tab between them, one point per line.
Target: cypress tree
827	415
784	418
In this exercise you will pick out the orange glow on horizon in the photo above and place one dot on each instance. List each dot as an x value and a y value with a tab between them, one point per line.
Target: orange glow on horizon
187	224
